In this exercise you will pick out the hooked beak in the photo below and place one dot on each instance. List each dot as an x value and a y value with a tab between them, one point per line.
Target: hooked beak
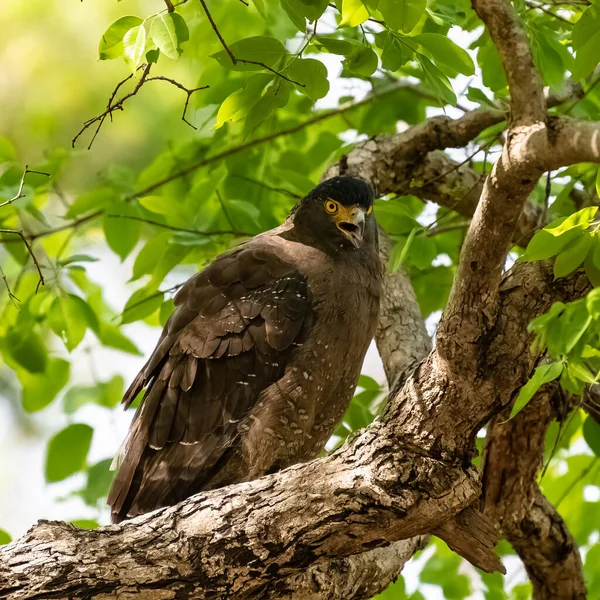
353	226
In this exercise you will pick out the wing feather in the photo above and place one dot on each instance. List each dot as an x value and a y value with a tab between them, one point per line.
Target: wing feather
234	329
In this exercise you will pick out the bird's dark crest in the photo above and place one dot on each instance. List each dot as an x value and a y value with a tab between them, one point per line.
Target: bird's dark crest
349	191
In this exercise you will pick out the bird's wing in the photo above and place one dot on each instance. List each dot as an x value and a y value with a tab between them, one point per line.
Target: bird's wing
234	330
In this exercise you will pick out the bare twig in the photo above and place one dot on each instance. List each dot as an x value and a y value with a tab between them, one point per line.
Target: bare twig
533	6
41	234
182	229
269	187
235	59
150	297
170	7
20	193
118	105
181	87
12	297
262	140
29	249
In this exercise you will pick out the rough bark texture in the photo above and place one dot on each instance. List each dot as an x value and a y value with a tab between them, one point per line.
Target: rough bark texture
358	511
404	476
513	500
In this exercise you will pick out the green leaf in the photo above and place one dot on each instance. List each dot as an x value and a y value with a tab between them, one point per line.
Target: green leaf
422	251
113	338
68	319
592	303
581	372
361	61
582	219
476	95
492	70
402	15
93	200
85	523
312	74
587	26
26	348
276	96
354	12
573	255
107	394
543	374
168	31
293	11
134	45
237	105
67	452
598	183
121	234
446	52
544	244
4	537
394	53
587	58
335	46
258	49
77	258
260	7
399	253
142	304
111	43
368	383
41	388
150	254
99	479
438	81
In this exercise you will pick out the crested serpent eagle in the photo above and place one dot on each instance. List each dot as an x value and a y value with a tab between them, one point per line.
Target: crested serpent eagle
260	358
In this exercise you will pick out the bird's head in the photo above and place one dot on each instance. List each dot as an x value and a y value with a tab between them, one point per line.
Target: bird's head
338	213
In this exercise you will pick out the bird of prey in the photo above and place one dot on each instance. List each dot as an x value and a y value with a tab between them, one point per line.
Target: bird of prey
260	358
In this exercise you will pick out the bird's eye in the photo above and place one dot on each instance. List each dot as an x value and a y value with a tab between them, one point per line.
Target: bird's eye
331	207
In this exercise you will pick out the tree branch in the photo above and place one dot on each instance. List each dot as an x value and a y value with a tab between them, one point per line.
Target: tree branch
235	59
30	250
118	105
513	499
20	193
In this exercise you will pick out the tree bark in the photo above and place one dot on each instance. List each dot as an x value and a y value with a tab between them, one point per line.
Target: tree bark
513	499
410	472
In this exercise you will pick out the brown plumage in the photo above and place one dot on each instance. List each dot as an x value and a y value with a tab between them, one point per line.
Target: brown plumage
260	359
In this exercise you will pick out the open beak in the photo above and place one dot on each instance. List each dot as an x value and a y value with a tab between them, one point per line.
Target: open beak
352	225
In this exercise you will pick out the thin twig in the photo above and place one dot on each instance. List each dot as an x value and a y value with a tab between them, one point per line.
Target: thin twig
182	229
118	105
548	12
269	187
74	223
29	249
446	228
20	193
262	140
170	7
235	59
151	297
181	87
582	96
12	297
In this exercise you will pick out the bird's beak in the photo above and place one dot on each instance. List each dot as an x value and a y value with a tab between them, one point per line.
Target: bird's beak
352	225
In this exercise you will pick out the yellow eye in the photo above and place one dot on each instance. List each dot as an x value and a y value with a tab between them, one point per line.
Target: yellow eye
331	207
370	210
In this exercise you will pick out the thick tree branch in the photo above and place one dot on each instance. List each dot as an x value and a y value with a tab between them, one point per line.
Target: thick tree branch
512	498
528	105
402	477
